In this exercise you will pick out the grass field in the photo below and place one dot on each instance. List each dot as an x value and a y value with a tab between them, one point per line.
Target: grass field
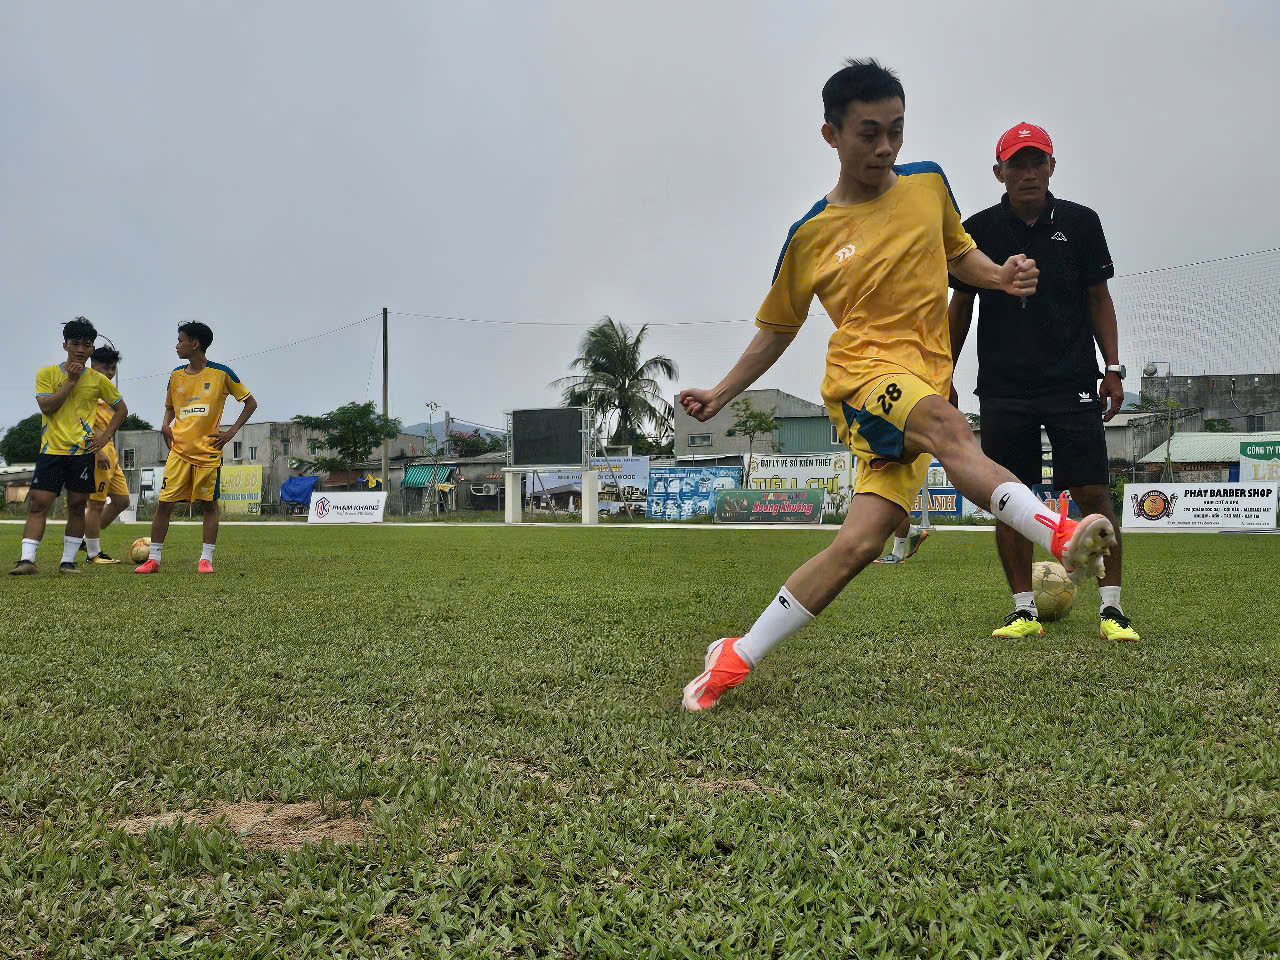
467	743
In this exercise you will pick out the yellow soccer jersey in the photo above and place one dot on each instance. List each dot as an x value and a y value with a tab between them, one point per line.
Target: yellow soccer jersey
67	431
101	418
880	270
197	400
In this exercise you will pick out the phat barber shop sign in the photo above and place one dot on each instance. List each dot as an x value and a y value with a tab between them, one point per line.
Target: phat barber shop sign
1200	506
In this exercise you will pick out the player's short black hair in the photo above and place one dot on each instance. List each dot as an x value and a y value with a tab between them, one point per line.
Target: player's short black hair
865	81
105	355
199	332
79	329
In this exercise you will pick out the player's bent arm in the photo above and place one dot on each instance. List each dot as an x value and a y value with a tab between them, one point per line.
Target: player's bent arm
1017	276
959	319
762	353
51	403
166	430
119	412
250	405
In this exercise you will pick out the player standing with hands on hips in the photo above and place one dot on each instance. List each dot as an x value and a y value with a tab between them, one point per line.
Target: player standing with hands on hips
67	394
197	392
876	251
1036	360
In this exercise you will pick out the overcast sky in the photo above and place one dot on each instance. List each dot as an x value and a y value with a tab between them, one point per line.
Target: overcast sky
281	169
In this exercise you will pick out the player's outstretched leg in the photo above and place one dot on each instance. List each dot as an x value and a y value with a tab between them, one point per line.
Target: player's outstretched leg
806	594
937	427
906	541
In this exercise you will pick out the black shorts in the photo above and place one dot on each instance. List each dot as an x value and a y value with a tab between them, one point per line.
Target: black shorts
55	471
1073	421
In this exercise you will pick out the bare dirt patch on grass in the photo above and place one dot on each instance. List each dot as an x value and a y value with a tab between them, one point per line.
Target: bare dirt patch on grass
263	825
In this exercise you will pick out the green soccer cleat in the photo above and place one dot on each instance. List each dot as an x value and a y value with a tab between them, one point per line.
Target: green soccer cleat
914	541
1019	624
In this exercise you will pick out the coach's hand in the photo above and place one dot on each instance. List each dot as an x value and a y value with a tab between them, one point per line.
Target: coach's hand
1111	392
1019	276
166	431
219	440
702	405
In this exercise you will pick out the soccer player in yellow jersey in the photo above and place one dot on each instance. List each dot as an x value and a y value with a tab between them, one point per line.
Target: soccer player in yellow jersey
110	490
876	251
67	394
192	411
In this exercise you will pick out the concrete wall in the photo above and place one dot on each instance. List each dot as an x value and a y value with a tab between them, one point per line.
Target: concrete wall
1254	392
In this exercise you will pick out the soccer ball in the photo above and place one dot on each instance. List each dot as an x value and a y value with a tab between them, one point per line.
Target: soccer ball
1054	590
140	549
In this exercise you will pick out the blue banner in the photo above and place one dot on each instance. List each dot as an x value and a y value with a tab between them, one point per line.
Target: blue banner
682	493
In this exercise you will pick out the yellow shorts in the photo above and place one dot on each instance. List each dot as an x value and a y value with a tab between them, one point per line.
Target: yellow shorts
875	431
185	481
108	481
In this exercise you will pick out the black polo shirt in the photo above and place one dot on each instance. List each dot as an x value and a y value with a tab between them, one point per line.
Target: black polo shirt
1047	346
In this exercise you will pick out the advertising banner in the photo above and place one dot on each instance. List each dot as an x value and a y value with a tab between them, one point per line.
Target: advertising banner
1195	506
340	506
803	505
240	489
831	473
682	493
1260	462
630	474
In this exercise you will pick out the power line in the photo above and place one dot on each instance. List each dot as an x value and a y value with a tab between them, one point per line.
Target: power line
557	323
258	353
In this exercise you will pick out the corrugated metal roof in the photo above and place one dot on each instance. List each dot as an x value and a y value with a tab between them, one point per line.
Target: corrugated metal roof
420	474
1208	447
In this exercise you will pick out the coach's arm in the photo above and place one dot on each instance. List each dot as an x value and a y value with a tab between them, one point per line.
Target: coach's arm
1106	331
762	353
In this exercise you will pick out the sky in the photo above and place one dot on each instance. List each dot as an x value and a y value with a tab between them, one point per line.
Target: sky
280	170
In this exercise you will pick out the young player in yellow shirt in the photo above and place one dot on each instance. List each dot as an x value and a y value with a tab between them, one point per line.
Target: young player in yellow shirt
110	490
876	251
193	404
67	394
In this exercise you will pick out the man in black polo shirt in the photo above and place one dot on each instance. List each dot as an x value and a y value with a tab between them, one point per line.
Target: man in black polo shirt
1036	360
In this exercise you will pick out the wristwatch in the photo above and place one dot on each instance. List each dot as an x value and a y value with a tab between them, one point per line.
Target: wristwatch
1117	368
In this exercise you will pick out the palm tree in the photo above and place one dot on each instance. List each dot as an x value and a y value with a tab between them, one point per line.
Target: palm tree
613	380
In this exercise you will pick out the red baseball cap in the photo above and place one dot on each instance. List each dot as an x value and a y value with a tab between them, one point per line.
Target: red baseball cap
1023	135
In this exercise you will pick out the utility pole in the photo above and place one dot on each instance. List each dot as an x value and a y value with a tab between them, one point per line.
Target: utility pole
385	442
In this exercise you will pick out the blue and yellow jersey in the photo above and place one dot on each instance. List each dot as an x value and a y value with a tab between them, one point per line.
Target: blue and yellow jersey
880	270
69	429
197	400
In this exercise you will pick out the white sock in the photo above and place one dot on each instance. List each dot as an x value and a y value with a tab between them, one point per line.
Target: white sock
29	548
1110	598
1021	509
780	619
206	552
1026	601
154	552
69	547
900	547
93	547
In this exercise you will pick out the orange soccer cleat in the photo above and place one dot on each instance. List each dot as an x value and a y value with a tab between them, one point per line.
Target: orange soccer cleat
723	669
1080	545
